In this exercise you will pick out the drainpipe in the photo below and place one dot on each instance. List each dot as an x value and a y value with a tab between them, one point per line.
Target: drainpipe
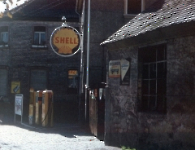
82	18
82	63
81	83
88	49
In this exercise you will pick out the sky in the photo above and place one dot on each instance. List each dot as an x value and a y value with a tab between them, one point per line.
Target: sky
11	4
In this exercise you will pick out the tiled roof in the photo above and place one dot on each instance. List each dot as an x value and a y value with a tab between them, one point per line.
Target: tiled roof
161	14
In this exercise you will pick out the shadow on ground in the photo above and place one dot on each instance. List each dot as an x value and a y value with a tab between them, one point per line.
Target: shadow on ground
69	130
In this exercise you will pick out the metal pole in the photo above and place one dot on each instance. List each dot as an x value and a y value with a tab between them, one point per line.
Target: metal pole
82	45
81	60
88	49
22	109
15	109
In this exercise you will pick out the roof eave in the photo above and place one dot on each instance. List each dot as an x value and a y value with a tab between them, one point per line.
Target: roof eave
155	36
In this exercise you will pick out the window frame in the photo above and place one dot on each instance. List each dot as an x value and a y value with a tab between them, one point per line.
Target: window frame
39	31
148	83
131	15
5	30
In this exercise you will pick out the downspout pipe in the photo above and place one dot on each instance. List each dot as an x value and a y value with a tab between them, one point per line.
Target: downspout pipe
81	83
88	52
81	19
82	59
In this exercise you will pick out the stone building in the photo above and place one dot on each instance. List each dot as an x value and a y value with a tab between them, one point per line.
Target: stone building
106	17
150	104
28	60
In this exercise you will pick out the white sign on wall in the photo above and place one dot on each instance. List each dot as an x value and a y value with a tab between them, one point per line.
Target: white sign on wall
18	106
114	69
125	72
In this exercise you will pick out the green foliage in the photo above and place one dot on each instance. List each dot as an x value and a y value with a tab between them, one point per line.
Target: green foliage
127	148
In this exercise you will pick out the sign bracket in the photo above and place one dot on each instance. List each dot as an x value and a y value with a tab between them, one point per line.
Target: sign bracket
65	40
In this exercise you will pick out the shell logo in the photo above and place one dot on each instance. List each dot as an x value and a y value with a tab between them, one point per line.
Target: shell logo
65	41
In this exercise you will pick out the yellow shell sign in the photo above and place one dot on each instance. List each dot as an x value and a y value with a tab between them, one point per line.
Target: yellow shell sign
65	41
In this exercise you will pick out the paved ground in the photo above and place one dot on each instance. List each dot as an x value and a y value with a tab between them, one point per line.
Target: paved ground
66	137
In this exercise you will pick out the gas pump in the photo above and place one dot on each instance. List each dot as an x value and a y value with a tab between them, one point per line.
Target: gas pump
47	108
31	107
38	107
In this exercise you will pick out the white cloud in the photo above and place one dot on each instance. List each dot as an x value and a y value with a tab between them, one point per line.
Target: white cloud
2	7
11	3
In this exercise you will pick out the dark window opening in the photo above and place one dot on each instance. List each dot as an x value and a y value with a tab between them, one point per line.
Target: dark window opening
38	80
134	6
152	73
3	82
72	81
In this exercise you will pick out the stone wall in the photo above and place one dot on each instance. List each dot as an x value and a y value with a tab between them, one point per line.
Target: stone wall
20	58
148	3
104	21
24	57
106	18
125	125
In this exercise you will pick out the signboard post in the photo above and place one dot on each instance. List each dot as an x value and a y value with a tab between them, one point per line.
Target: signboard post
18	106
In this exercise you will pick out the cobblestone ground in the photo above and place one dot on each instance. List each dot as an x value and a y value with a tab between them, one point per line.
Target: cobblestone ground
68	137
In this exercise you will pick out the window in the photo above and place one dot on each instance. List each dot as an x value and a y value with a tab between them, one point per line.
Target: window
39	37
152	77
3	82
38	80
4	36
134	6
72	81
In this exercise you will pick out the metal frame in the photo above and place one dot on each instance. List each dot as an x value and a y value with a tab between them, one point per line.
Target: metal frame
154	79
58	28
39	32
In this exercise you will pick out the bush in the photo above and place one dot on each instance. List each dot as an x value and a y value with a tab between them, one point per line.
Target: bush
127	148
